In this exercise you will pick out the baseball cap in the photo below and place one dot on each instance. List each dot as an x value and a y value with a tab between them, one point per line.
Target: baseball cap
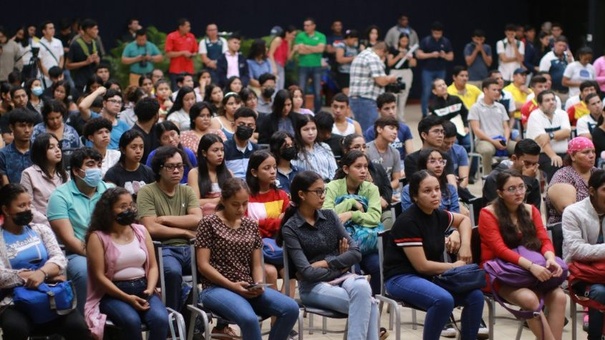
520	71
276	30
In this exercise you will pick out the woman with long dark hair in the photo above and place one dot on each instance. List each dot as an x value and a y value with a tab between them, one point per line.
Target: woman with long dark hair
283	149
258	63
179	112
61	91
170	135
54	114
322	252
280	51
122	271
312	154
211	173
282	118
508	223
45	175
29	256
225	120
200	118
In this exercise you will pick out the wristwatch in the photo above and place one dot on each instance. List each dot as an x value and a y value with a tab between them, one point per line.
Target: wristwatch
551	135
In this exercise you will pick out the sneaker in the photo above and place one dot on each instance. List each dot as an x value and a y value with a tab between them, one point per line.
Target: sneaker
483	331
293	335
449	331
227	331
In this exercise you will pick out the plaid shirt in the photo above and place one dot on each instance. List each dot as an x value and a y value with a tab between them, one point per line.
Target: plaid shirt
365	67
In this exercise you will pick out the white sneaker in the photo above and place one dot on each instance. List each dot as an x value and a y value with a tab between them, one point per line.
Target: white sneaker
449	331
483	331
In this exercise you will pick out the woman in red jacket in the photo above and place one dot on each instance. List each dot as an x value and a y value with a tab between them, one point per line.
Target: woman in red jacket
508	223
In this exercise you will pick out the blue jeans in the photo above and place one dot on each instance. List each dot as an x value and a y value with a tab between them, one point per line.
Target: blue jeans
352	297
371	266
177	262
365	111
427	85
243	311
304	73
77	272
129	320
438	304
595	318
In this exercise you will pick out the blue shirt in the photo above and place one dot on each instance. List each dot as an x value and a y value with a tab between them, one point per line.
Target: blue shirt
478	69
25	250
116	132
236	160
459	157
71	139
449	203
284	180
13	162
403	134
190	156
430	45
255	69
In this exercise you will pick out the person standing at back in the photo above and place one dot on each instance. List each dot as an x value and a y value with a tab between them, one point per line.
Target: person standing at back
510	53
478	58
310	45
210	48
436	50
180	48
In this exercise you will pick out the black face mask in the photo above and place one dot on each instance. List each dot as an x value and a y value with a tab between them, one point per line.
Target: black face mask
268	92
126	217
289	153
243	132
23	218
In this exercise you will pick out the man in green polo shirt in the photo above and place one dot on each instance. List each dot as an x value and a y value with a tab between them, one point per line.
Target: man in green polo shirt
69	210
310	46
140	54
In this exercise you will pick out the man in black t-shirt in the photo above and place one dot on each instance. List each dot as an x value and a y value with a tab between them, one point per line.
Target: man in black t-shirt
84	54
147	112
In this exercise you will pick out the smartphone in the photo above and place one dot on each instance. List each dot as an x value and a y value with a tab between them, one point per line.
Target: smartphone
257	285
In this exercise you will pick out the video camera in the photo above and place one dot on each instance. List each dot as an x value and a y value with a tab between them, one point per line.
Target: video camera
395	87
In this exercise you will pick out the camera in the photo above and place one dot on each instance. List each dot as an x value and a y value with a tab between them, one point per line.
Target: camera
395	87
35	51
143	63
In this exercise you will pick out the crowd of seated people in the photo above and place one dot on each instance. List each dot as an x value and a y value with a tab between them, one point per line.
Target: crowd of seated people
229	155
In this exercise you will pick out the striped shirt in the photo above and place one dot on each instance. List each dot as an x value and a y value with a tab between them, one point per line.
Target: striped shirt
320	160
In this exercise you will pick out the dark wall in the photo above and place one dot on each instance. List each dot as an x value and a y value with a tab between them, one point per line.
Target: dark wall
255	18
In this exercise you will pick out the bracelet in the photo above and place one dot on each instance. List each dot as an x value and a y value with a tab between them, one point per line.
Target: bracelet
45	274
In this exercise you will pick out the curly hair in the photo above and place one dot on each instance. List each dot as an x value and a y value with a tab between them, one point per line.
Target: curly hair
102	216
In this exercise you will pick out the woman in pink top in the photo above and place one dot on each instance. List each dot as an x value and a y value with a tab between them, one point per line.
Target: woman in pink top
280	51
122	271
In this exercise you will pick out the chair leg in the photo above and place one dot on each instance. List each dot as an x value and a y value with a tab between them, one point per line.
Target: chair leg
310	317
324	325
573	312
414	322
490	318
301	325
520	329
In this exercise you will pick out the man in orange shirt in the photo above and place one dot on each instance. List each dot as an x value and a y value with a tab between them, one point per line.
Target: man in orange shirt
181	47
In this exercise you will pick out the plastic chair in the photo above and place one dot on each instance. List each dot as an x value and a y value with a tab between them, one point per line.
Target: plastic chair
308	310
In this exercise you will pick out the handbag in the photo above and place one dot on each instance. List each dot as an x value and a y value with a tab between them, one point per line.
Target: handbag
461	279
513	275
47	302
272	253
581	275
365	237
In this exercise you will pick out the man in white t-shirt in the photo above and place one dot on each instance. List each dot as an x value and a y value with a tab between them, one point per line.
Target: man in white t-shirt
588	122
550	128
489	121
578	71
51	50
510	53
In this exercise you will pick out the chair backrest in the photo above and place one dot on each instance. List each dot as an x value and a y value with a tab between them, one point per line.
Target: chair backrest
286	276
556	231
382	242
476	245
474	206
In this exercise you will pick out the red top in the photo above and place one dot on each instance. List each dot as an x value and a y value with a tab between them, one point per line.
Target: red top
527	109
492	244
176	42
281	52
267	208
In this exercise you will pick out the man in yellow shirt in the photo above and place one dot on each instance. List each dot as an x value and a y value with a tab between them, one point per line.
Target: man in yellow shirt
519	91
460	88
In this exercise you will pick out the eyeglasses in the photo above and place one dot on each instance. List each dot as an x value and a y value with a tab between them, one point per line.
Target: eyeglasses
115	101
319	192
171	167
434	161
438	131
513	190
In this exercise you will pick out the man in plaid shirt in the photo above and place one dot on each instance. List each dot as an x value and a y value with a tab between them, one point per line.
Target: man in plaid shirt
368	80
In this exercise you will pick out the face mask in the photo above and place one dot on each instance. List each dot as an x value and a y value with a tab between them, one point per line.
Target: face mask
126	217
23	218
268	92
244	132
37	91
92	177
289	153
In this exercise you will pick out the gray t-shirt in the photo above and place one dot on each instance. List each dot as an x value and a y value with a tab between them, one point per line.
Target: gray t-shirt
490	117
389	160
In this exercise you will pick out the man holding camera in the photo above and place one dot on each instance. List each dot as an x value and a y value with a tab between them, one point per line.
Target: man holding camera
367	82
140	54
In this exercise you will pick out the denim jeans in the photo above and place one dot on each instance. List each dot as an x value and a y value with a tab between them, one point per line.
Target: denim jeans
427	85
352	297
77	272
304	73
243	311
438	304
129	320
364	110
371	266
177	262
595	318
